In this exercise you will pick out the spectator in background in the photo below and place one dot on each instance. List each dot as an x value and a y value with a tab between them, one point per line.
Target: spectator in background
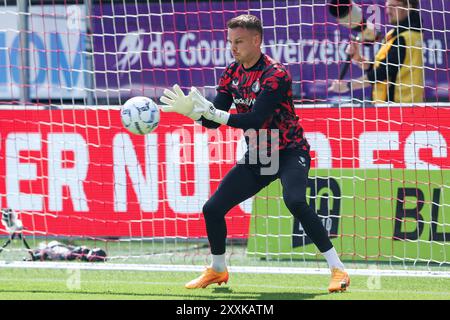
397	73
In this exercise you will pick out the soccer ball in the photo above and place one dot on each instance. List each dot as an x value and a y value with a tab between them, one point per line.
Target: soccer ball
140	115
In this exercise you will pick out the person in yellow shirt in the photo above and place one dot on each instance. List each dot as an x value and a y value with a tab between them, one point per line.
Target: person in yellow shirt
397	73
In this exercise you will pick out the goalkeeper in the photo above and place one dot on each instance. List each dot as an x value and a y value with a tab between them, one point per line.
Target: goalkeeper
261	90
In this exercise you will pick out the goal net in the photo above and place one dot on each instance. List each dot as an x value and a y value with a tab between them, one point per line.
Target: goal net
380	176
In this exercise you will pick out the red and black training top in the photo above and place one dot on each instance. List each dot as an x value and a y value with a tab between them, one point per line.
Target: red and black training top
262	95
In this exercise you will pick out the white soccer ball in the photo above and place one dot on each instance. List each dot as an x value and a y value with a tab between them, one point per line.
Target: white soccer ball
140	115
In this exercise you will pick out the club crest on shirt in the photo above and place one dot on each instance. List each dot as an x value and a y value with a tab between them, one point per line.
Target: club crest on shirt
302	161
235	82
256	86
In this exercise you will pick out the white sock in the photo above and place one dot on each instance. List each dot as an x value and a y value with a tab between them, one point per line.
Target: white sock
218	262
333	259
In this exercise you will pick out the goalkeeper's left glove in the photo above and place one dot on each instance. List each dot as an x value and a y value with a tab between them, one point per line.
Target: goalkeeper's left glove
206	108
176	101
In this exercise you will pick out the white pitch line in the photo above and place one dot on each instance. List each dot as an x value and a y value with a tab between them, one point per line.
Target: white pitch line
234	269
240	285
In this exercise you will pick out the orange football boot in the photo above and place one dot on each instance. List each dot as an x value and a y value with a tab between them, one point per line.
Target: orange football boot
209	276
340	280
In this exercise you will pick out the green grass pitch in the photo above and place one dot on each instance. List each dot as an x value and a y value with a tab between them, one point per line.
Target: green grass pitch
89	284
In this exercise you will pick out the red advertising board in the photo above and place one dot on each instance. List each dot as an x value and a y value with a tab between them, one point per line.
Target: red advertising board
79	173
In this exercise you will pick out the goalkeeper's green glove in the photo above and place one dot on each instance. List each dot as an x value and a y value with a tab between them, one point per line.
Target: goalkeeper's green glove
206	108
176	101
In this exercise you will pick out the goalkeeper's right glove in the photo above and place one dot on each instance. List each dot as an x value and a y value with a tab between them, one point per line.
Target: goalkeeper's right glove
176	101
207	108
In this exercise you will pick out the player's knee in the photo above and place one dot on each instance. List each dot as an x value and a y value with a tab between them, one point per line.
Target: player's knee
212	211
296	205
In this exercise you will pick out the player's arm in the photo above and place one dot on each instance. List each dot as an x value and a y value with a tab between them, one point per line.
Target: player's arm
264	107
222	101
176	101
273	87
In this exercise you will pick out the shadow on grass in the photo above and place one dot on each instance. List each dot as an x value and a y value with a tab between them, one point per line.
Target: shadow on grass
227	291
224	293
